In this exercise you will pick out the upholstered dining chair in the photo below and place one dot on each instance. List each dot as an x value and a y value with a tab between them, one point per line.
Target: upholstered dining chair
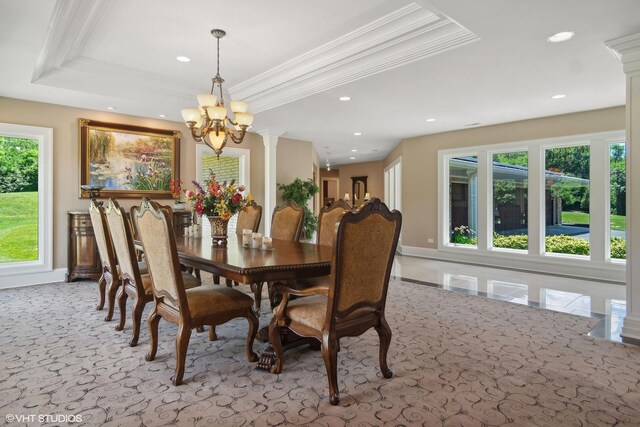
287	221
286	224
188	308
135	285
109	280
249	217
354	299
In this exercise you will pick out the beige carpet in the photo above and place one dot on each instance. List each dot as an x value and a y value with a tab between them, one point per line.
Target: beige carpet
457	359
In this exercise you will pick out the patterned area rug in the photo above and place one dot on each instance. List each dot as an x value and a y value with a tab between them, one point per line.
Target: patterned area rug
458	360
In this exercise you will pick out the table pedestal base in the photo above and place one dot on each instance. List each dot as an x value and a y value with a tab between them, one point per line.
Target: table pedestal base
289	340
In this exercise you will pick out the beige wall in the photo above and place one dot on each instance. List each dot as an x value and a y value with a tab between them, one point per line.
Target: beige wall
66	156
374	172
420	160
294	159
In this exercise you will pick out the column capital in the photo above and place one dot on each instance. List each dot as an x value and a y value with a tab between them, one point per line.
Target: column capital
627	49
270	135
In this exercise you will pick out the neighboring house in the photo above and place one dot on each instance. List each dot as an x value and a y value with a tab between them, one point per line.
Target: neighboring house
511	214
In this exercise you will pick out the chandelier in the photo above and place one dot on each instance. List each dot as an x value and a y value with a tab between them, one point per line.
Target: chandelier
210	122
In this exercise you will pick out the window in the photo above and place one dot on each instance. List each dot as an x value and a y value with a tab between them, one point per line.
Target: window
567	200
617	199
25	199
463	200
234	164
557	203
510	200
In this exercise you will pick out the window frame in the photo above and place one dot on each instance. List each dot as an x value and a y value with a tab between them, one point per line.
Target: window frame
599	182
44	263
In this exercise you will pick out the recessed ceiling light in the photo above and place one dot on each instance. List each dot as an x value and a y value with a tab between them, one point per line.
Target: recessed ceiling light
345	98
559	96
183	59
431	120
473	124
354	151
357	134
561	37
162	115
111	108
352	158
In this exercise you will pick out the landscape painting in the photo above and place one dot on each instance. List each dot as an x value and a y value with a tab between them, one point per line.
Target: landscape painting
128	161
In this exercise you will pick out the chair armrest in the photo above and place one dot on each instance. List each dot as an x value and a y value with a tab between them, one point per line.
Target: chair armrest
315	290
278	312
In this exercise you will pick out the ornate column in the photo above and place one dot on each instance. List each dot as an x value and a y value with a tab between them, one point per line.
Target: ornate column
270	140
628	49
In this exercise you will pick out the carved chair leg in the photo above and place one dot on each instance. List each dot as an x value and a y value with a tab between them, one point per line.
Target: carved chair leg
154	319
257	295
216	279
182	344
229	283
138	308
251	336
112	289
200	329
384	332
122	305
330	356
102	284
212	333
198	274
276	342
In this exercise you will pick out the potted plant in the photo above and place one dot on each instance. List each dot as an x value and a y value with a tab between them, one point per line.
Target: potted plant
301	192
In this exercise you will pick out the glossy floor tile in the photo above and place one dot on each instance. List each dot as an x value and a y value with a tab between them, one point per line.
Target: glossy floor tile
576	296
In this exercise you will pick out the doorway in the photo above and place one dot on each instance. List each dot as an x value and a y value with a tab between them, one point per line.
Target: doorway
329	190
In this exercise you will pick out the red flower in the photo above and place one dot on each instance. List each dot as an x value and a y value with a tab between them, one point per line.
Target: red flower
237	198
198	207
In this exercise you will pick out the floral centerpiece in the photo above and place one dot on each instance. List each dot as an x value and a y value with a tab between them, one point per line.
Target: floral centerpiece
218	202
175	185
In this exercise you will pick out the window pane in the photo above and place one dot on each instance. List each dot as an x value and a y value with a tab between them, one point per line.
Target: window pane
618	193
463	200
510	200
567	200
225	168
18	199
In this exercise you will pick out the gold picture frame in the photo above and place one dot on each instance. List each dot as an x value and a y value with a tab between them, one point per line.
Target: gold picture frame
127	161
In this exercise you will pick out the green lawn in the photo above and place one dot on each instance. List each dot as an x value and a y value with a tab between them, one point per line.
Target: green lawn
618	222
18	226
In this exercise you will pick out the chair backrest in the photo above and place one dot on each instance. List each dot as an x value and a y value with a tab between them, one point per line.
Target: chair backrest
103	238
249	217
133	215
287	221
362	258
159	244
122	237
328	220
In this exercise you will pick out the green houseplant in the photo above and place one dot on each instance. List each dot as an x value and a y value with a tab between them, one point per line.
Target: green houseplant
301	192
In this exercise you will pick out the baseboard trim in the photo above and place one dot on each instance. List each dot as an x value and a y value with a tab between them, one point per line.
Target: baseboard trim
631	329
19	280
561	266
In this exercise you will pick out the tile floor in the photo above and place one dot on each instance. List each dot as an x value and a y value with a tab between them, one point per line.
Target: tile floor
576	296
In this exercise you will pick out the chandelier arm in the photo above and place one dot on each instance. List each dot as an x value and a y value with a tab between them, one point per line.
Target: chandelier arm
237	139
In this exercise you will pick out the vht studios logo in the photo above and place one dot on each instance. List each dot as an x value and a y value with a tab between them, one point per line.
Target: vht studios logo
43	418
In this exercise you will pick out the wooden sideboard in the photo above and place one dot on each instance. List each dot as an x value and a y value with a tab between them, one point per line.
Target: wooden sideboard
83	261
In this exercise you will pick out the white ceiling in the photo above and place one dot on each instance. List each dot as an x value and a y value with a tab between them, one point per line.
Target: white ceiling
401	61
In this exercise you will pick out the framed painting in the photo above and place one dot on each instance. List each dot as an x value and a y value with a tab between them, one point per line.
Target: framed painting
126	160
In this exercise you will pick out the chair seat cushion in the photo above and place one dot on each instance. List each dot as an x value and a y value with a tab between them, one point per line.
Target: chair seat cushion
210	299
312	311
189	280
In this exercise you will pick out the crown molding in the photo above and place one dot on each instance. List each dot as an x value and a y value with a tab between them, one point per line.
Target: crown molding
406	35
71	24
626	49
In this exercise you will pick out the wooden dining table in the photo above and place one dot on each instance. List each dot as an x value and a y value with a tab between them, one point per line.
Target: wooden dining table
286	261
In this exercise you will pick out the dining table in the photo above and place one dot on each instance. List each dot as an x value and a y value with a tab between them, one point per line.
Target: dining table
285	261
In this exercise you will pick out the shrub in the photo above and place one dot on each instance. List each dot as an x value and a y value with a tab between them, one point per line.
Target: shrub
566	245
618	248
516	241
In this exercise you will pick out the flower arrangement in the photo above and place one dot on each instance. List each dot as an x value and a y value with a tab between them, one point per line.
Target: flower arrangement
175	185
215	199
